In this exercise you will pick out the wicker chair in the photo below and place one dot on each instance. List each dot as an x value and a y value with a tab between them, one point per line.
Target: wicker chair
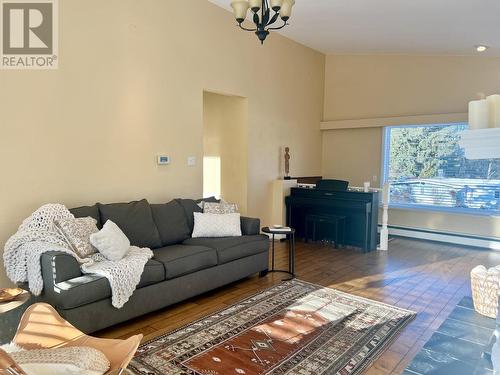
41	327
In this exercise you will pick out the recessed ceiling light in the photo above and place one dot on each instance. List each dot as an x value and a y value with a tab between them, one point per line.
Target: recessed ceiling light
481	48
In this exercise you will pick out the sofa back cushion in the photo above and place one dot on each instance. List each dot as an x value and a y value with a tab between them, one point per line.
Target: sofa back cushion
191	206
135	219
87	211
171	222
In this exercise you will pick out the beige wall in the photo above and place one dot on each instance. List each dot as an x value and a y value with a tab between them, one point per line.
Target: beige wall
129	86
225	135
358	87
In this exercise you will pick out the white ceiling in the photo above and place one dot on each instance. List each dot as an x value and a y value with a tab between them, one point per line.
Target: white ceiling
437	27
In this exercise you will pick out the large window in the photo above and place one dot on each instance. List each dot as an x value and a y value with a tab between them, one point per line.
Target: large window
427	169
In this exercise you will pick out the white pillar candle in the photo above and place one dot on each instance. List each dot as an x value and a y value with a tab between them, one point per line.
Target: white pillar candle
479	114
366	186
494	110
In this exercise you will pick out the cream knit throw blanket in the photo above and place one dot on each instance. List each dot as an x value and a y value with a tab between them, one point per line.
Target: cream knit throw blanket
37	235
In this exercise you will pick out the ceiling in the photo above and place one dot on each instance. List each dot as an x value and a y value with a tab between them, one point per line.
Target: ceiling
436	27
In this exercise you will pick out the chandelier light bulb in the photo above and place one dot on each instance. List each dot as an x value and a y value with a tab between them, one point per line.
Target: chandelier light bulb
276	5
255	5
240	9
481	48
286	9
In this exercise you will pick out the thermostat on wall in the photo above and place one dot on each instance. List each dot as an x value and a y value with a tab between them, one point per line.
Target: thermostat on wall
163	160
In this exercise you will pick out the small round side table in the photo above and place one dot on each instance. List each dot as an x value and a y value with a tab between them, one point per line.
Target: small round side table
290	233
10	315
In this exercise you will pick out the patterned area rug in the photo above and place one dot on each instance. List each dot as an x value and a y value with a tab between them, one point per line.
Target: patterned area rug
292	328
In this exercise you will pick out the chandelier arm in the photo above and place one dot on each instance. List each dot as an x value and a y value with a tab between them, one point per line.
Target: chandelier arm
280	27
274	19
244	28
256	19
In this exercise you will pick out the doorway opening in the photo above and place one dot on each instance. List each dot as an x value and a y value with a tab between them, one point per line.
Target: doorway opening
225	148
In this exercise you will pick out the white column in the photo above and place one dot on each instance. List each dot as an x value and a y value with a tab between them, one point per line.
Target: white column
384	232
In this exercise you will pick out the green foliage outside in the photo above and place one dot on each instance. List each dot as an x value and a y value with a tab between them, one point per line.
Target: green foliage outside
433	152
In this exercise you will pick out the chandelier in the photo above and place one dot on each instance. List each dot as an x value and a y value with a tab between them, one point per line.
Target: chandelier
262	14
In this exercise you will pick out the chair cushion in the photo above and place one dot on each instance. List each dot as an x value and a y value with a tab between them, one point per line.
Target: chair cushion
171	222
183	259
82	360
135	220
232	248
87	211
91	288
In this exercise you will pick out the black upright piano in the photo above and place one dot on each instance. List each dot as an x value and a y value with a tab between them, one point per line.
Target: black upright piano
330	197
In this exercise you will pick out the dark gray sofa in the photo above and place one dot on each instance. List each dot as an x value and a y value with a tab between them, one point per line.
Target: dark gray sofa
182	267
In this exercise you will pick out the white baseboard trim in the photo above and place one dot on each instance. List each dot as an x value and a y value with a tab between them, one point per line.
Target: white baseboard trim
487	243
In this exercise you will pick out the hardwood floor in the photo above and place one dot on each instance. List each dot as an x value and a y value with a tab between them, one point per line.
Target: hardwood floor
426	277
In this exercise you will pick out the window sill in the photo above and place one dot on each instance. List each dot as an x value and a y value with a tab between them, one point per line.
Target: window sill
446	210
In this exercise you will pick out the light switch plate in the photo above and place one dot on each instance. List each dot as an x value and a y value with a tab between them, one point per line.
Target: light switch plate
191	161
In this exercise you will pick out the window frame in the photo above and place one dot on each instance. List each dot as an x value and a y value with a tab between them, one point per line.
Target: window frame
384	173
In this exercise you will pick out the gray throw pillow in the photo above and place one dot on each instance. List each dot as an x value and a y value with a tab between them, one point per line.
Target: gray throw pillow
171	222
135	219
86	211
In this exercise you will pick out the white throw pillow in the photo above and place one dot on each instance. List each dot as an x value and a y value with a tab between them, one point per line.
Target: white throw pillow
111	241
216	225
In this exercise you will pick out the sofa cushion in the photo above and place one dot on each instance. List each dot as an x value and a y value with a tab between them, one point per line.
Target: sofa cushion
183	259
90	288
87	211
135	220
154	273
171	222
232	248
190	206
81	291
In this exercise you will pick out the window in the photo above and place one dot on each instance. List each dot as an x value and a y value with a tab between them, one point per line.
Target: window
427	169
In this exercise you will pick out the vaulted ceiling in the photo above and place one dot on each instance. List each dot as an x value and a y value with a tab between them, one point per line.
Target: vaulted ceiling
437	27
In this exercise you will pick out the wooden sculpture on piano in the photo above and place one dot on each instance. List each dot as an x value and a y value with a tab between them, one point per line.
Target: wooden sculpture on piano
287	163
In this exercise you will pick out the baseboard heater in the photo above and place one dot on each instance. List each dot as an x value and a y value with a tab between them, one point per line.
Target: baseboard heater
453	238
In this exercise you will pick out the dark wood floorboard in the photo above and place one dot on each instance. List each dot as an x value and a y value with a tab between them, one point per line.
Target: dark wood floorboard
427	277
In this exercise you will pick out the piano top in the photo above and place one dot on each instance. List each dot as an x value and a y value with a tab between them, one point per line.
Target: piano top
349	190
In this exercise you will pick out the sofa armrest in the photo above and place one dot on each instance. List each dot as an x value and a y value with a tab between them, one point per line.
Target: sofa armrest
250	226
58	266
